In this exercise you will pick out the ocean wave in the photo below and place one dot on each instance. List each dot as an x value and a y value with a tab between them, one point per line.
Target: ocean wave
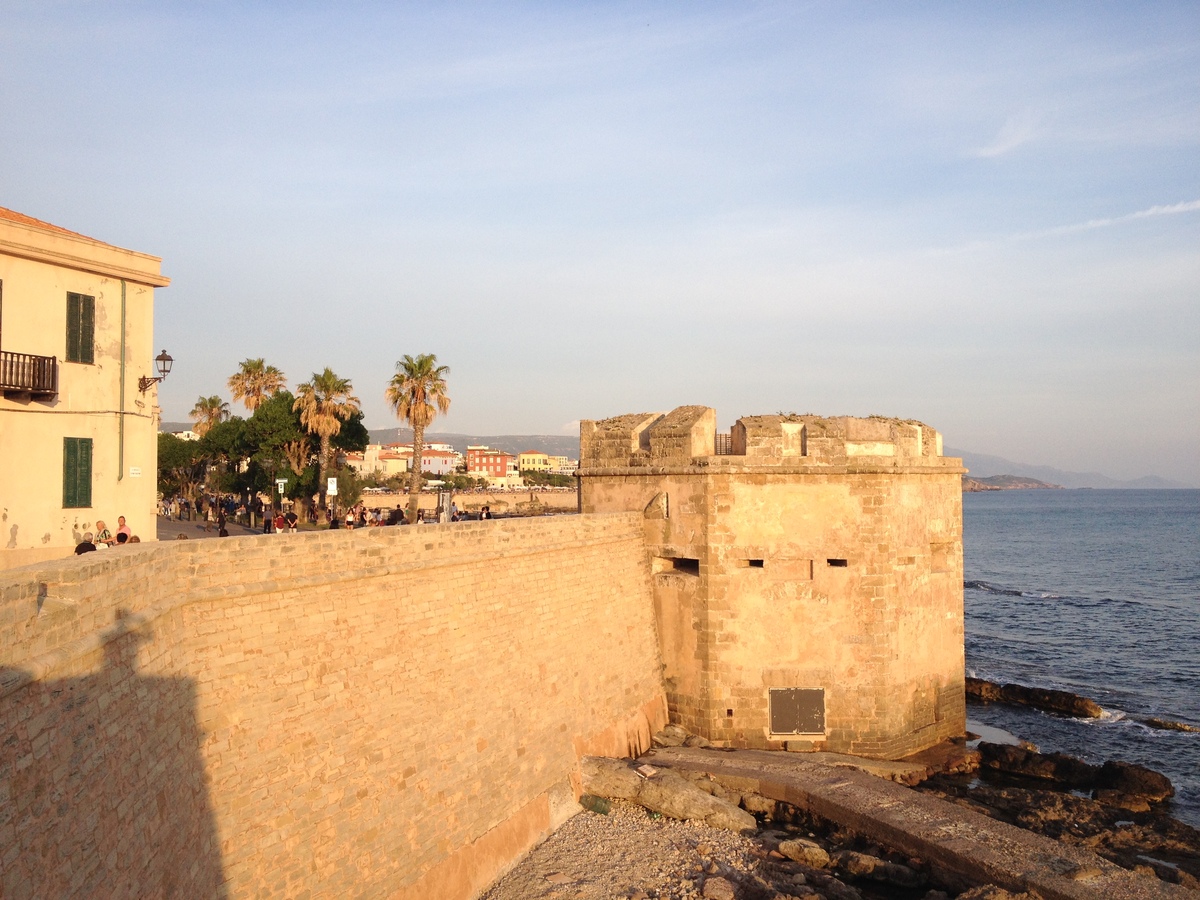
988	588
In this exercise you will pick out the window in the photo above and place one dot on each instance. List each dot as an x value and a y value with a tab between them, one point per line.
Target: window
81	328
77	472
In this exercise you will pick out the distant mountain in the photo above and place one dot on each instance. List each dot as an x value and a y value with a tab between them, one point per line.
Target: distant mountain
553	444
982	466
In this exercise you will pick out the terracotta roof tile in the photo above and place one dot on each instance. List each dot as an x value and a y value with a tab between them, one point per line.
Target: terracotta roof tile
22	219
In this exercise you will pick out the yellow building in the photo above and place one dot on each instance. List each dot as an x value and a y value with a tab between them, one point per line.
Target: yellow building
533	461
78	437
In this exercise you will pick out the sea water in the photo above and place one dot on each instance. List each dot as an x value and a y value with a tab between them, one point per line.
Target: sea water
1097	593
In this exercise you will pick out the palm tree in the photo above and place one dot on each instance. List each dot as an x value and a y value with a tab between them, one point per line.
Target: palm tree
324	403
254	382
207	412
417	393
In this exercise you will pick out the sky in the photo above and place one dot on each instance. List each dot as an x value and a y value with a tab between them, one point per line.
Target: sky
982	216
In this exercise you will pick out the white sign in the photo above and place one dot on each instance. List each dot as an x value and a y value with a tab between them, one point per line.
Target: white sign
135	471
332	489
281	484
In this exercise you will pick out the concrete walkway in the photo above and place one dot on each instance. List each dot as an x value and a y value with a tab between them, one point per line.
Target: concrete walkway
951	838
170	529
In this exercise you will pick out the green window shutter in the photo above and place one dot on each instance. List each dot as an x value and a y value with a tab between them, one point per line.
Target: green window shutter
74	305
87	338
81	328
77	472
70	463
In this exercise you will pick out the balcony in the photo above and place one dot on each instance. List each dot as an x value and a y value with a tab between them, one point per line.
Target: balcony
26	375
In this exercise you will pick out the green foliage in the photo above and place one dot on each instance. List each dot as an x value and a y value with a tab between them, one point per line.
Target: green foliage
181	465
548	479
274	424
350	486
226	441
353	435
457	481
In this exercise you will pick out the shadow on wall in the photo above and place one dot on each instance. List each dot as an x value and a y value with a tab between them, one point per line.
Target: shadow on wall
102	786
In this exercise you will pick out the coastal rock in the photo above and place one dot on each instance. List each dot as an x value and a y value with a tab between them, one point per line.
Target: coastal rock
1061	702
863	865
1138	781
1056	767
757	803
859	865
665	792
717	888
991	892
671	736
808	853
611	778
672	795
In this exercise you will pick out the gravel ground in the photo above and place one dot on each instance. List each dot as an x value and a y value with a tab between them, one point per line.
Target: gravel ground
627	854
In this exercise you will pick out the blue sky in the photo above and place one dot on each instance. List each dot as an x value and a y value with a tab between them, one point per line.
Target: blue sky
986	217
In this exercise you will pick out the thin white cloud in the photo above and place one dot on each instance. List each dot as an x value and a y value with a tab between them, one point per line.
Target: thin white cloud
1152	212
1173	209
571	427
1017	130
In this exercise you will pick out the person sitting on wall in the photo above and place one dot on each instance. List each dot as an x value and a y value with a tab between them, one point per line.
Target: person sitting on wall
86	545
103	535
122	538
135	540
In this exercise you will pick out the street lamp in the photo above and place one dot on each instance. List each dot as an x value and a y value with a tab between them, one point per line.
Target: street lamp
163	363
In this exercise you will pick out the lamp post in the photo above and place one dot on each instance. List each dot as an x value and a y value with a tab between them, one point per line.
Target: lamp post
163	363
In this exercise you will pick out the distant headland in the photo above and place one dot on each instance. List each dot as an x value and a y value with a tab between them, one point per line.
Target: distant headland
1005	483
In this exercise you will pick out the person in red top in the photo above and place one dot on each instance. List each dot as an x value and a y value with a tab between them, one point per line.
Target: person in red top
280	522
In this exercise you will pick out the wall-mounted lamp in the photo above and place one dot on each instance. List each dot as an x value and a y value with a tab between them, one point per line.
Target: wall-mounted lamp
163	363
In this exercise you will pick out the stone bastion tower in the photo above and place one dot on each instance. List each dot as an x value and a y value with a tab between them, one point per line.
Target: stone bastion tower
807	573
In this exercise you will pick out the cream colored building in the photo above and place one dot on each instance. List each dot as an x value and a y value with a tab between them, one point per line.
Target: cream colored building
78	439
533	461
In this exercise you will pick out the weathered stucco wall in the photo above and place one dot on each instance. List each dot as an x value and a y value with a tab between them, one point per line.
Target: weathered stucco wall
817	554
387	712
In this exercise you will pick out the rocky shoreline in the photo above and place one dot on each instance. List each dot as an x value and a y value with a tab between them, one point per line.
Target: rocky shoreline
654	834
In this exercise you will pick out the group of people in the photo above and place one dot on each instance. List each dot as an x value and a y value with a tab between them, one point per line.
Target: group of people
103	539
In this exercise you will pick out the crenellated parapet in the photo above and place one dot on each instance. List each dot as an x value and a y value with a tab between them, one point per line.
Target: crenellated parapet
688	436
833	439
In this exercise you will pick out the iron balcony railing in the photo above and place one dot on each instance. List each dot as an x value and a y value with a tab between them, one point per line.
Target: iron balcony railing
24	373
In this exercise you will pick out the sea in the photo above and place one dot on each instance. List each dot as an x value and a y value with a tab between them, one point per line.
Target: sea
1096	592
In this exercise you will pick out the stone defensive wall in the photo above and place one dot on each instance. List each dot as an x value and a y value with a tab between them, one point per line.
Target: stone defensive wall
807	573
389	712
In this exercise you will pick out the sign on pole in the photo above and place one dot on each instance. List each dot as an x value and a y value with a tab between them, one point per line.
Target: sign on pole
332	489
281	483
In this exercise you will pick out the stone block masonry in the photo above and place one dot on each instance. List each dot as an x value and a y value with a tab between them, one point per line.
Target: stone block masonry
389	712
807	573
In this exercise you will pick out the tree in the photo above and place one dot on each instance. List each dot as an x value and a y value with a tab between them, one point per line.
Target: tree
324	403
277	444
417	393
181	465
207	412
225	445
254	382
